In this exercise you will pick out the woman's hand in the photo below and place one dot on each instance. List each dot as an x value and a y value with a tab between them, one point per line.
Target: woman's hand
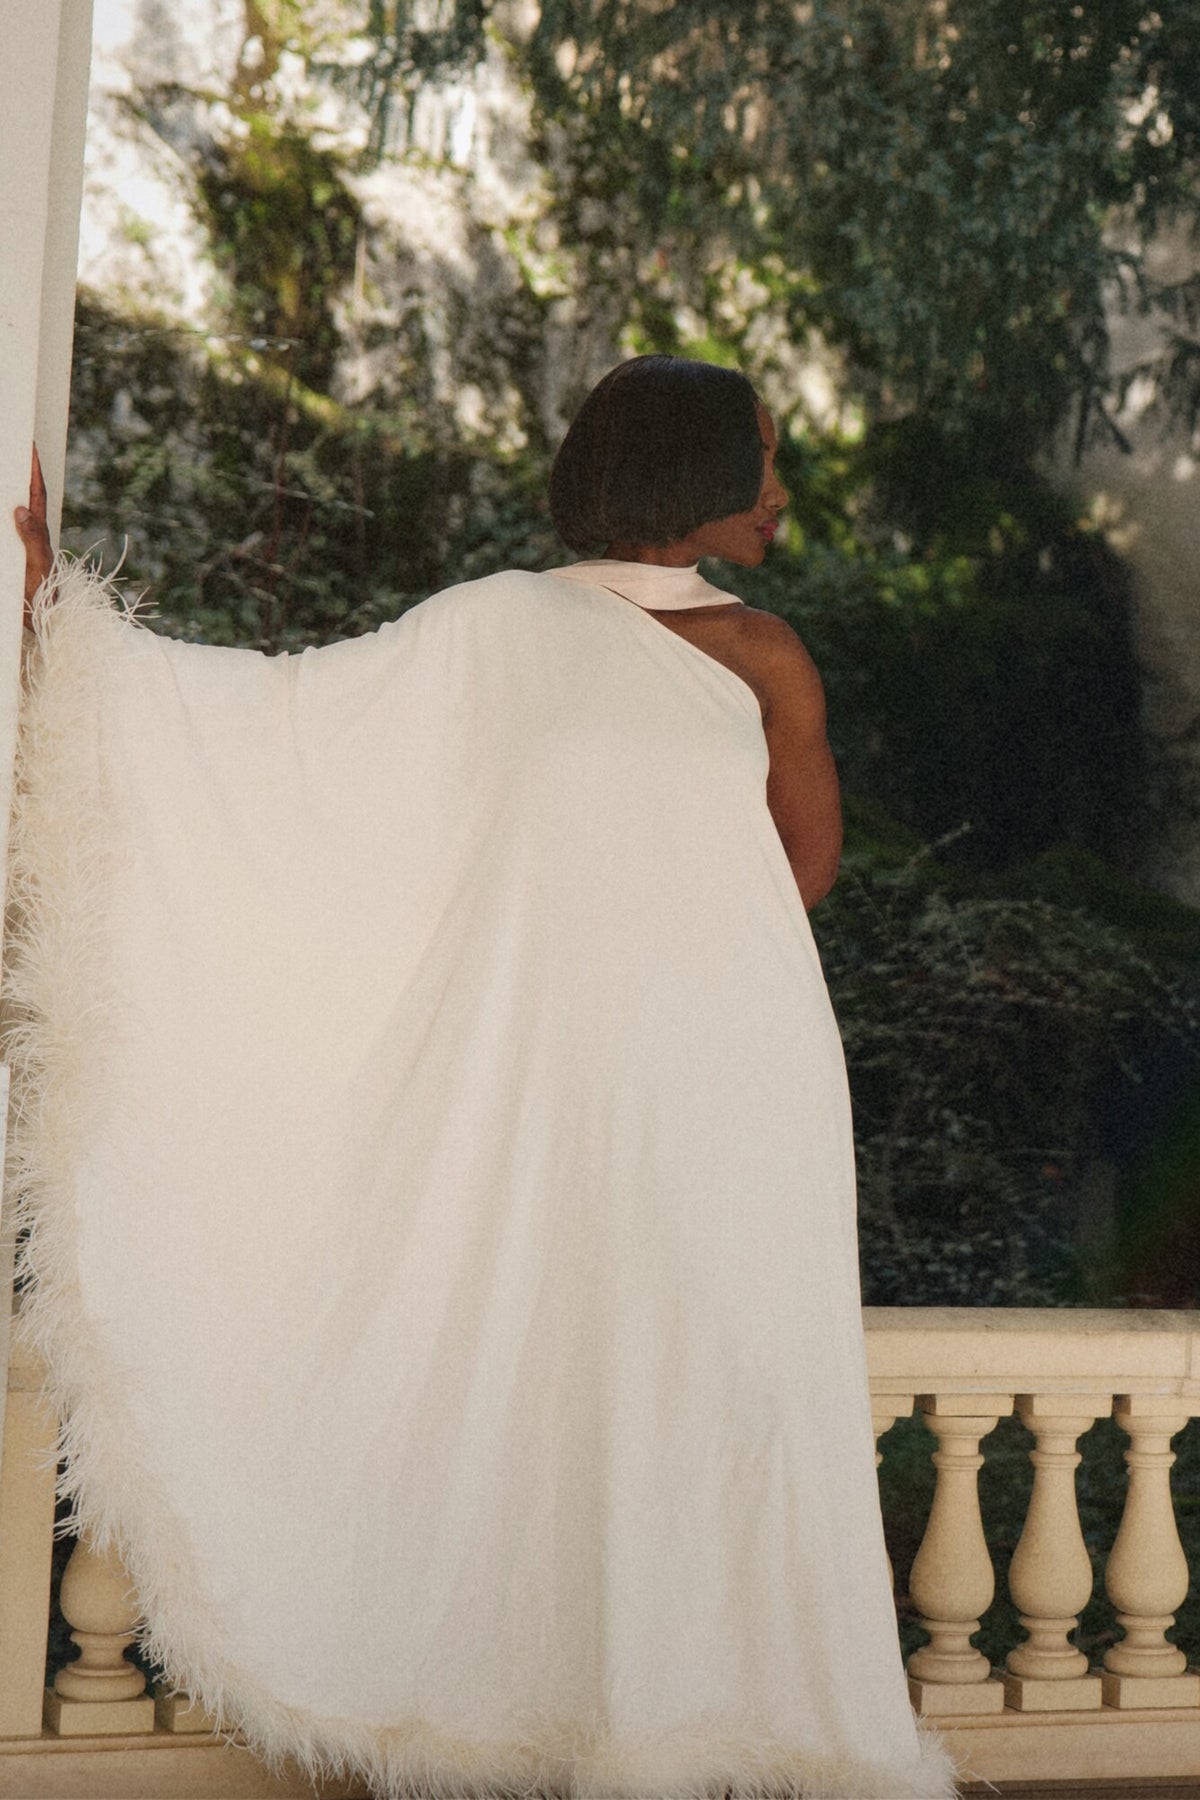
34	533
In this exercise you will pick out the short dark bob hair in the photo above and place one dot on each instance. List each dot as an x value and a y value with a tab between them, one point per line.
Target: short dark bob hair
660	447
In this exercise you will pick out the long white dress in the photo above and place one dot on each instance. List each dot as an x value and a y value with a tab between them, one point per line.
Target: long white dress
439	1167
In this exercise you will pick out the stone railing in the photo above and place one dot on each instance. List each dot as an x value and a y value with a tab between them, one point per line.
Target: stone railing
1044	1716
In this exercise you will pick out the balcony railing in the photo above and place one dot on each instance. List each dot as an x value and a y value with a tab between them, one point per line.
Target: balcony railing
1043	1715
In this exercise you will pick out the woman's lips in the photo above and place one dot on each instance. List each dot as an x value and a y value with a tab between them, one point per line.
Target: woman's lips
768	530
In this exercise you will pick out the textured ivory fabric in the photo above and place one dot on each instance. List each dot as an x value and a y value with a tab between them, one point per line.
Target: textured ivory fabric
439	1169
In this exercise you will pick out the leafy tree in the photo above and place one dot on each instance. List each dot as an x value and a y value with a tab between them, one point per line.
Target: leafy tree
949	190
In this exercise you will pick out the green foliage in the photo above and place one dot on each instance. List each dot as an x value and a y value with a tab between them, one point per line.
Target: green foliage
983	1036
930	186
934	188
262	513
976	650
1166	930
408	46
285	229
257	512
282	223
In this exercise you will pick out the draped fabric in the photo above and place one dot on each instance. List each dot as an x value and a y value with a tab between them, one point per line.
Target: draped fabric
437	1160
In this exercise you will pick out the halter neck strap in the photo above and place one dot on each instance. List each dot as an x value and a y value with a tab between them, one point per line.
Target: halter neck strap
652	586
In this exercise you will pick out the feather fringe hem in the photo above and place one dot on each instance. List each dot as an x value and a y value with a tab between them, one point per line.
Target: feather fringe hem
61	1014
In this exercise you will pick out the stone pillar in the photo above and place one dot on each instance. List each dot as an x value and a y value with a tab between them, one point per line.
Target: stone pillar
1051	1574
952	1577
99	1694
43	111
26	1540
1147	1573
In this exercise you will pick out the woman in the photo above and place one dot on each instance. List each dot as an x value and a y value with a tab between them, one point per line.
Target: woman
450	1280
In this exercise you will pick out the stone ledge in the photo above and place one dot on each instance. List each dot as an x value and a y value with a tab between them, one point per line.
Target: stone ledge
1033	1350
154	1767
1074	1750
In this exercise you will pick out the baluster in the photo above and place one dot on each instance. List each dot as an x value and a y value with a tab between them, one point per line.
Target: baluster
885	1410
1147	1573
1050	1579
99	1693
952	1578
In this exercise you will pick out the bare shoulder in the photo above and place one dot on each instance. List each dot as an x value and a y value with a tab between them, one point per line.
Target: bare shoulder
764	650
784	669
771	635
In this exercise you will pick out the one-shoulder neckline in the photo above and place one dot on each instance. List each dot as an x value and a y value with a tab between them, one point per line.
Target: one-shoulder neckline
738	682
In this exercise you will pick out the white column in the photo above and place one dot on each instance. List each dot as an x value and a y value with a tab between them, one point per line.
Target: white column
99	1694
1147	1573
1050	1577
952	1578
44	65
43	112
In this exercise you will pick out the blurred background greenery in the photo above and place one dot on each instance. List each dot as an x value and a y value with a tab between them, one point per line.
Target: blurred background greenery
415	233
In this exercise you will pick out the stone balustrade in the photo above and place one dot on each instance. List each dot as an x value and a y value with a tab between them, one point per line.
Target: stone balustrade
1044	1715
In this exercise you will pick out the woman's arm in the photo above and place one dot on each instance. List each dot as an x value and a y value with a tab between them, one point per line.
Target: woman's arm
802	785
34	533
